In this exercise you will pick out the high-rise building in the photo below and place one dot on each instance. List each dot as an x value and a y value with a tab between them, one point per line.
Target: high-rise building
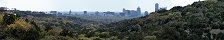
70	12
156	7
85	12
108	13
59	13
146	13
132	12
53	12
122	14
97	13
138	11
124	9
128	12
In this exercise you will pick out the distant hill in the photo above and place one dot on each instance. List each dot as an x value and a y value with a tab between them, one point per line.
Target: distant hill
65	22
191	22
104	19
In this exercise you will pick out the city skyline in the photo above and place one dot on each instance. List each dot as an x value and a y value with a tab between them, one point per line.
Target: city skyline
91	5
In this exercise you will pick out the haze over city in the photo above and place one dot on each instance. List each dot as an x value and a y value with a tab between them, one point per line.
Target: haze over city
91	5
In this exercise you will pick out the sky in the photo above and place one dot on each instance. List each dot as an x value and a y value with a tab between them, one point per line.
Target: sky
91	5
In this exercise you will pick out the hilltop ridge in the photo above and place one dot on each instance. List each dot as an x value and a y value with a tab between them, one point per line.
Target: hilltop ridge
192	22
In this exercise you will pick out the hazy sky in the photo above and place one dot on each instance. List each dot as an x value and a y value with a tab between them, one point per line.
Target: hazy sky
91	5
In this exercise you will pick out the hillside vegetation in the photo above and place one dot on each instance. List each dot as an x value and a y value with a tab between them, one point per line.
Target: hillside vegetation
199	21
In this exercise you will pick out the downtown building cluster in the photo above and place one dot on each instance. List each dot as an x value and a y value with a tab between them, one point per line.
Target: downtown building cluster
124	12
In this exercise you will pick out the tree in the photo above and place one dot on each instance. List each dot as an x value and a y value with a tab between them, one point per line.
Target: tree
219	36
176	8
221	0
8	19
55	31
3	9
82	37
213	1
150	38
23	30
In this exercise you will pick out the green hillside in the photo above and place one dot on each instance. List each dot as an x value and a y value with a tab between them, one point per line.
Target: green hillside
202	20
192	22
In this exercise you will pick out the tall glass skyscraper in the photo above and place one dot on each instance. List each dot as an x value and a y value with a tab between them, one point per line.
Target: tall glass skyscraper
138	11
70	12
156	7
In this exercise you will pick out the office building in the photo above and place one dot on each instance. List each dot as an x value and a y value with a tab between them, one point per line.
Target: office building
138	11
85	12
122	14
53	12
132	12
156	7
146	13
70	12
108	13
97	13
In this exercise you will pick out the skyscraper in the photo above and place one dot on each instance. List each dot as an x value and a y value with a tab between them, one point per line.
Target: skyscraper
146	13
85	12
97	13
156	7
70	12
138	11
124	9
